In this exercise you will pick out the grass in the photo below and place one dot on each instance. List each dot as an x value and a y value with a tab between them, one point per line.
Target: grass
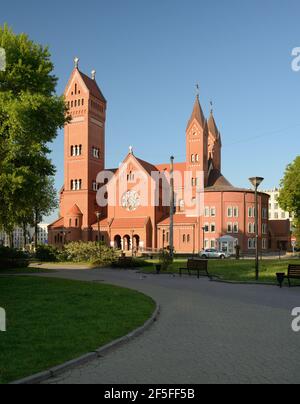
238	271
51	321
24	271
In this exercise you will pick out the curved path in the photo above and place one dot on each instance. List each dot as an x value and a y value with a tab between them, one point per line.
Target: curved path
207	333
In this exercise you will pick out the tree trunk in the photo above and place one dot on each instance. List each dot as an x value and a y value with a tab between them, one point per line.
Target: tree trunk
36	230
24	234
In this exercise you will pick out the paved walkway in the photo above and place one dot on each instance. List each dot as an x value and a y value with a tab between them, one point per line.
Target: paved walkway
207	333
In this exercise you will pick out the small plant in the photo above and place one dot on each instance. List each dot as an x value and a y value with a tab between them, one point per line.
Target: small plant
165	259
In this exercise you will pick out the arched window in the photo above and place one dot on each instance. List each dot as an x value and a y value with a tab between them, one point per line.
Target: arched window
75	103
75	89
197	158
70	223
76	222
184	238
188	238
193	158
72	150
82	102
72	104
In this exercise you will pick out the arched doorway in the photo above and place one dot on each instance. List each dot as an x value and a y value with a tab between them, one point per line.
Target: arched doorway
136	243
118	242
126	243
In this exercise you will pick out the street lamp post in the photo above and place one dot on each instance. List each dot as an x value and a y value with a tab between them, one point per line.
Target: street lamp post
203	229
98	214
256	181
132	241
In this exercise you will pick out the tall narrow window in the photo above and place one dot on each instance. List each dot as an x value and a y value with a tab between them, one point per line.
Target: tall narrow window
75	89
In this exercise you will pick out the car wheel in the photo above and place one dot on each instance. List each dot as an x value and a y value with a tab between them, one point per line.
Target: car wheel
204	257
222	257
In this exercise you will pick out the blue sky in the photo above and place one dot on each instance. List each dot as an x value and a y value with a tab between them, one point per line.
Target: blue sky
149	54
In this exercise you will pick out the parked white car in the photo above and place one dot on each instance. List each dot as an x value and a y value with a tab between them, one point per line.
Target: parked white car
213	253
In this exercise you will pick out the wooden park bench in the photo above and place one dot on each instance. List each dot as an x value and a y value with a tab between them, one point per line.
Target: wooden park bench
196	265
293	273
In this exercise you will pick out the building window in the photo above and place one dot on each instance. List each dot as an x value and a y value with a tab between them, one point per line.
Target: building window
264	228
213	228
229	227
229	212
76	185
265	244
206	212
197	158
95	186
212	243
193	158
236	211
206	228
181	205
206	244
213	212
265	213
250	212
184	238
236	227
96	152
188	238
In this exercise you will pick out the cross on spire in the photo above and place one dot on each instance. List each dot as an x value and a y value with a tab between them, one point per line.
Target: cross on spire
197	90
76	62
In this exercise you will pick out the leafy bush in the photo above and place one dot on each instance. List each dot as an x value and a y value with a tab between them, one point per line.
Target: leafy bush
12	258
12	253
165	259
46	253
88	252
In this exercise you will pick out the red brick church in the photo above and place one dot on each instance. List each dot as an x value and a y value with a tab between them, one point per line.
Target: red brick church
224	218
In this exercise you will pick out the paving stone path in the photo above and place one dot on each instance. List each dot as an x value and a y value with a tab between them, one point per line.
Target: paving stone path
207	333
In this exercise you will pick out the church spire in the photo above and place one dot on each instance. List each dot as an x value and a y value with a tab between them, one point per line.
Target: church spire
212	126
197	111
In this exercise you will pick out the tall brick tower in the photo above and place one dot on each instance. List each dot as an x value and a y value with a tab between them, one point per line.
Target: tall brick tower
84	154
197	145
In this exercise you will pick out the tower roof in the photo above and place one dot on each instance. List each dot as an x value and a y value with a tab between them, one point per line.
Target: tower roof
212	126
197	113
92	86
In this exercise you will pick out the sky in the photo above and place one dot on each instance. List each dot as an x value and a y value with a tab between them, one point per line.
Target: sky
150	54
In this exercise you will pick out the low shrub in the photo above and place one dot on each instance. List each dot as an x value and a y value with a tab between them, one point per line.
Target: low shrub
88	252
47	253
130	263
165	259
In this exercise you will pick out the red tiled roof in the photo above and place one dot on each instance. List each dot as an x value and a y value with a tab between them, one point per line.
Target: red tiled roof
57	224
92	86
131	223
75	211
179	219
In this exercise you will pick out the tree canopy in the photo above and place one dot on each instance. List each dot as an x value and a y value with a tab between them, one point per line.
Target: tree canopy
30	116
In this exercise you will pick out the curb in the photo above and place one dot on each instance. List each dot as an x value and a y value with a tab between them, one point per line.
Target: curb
218	280
99	353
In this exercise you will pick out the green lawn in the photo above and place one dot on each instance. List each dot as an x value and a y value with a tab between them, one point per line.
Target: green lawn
50	321
239	271
24	271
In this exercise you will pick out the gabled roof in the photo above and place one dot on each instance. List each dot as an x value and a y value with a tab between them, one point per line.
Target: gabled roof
197	114
59	223
75	211
147	166
92	86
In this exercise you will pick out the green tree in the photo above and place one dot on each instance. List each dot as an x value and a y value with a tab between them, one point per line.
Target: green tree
289	198
30	116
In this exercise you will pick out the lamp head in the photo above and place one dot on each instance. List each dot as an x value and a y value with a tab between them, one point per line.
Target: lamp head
256	181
